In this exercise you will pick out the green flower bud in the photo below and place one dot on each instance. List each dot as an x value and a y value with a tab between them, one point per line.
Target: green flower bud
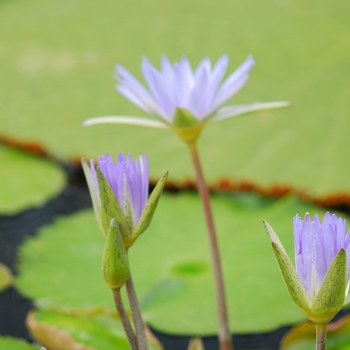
115	264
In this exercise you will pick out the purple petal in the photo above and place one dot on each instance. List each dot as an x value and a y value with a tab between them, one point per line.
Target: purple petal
234	82
132	97
167	69
215	79
316	244
129	181
175	85
124	77
183	82
199	92
158	88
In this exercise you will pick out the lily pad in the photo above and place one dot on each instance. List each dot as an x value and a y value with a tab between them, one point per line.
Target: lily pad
27	180
86	330
5	277
303	336
57	71
171	264
9	343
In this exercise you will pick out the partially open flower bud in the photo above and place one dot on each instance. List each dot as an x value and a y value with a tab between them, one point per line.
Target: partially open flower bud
120	191
320	280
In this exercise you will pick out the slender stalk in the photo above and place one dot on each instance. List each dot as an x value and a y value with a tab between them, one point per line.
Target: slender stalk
136	315
124	319
225	339
321	336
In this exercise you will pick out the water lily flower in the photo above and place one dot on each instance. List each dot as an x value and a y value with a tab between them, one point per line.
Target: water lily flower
183	100
120	191
319	283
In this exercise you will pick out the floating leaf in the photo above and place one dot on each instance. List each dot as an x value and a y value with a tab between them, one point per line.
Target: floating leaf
10	343
303	336
26	180
84	330
171	264
5	277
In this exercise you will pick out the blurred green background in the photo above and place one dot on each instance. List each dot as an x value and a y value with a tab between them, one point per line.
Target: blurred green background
56	68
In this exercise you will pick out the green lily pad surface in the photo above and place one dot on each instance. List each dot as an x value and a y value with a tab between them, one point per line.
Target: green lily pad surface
5	277
57	70
85	330
171	264
26	180
9	343
302	336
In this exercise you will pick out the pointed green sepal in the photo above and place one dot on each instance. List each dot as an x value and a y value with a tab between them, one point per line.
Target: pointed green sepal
119	119
272	235
128	216
150	208
291	279
183	118
115	264
227	112
331	295
93	193
290	276
110	207
195	344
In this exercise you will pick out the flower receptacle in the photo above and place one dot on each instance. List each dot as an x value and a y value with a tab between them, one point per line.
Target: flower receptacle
186	125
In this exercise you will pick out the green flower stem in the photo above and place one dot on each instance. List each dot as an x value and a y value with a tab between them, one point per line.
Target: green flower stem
225	339
136	315
321	336
124	319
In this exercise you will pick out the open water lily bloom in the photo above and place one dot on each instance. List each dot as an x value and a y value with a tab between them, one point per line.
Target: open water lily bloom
182	98
119	191
319	283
